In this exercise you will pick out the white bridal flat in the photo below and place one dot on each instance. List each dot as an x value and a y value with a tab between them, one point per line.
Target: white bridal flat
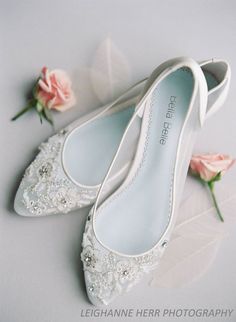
68	171
128	230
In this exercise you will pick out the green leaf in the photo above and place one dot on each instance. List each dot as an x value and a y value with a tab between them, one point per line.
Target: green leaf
48	115
216	178
41	117
35	87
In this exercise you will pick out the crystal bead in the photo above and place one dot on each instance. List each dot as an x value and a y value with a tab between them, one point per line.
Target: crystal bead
63	201
164	243
88	259
91	288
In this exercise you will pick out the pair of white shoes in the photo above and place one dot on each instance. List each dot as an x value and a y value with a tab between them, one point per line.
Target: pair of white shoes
130	159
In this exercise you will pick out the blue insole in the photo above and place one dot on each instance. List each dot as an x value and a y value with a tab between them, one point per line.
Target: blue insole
89	149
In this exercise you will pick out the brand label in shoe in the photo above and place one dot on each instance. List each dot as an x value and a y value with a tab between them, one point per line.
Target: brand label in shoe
170	113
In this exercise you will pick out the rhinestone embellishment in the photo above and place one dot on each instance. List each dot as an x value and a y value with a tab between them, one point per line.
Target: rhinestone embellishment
109	274
89	258
46	170
164	243
91	288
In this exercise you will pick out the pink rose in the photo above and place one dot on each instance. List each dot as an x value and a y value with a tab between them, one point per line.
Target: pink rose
54	90
207	166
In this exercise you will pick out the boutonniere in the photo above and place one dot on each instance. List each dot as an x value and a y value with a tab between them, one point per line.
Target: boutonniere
210	168
52	91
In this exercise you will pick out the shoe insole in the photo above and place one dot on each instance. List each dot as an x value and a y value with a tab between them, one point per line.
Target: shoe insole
89	149
134	219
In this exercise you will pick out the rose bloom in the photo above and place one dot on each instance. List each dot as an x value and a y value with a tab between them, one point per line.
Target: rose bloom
207	166
54	90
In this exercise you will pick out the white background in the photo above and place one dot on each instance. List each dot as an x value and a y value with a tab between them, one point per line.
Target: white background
41	277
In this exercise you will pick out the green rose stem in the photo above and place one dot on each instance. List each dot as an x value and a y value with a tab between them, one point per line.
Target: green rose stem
28	107
42	111
211	188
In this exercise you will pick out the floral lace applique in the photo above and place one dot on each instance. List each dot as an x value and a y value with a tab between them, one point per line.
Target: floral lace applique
109	274
46	188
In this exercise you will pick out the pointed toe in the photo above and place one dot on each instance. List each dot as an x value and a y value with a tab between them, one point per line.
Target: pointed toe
99	290
92	289
45	188
19	206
